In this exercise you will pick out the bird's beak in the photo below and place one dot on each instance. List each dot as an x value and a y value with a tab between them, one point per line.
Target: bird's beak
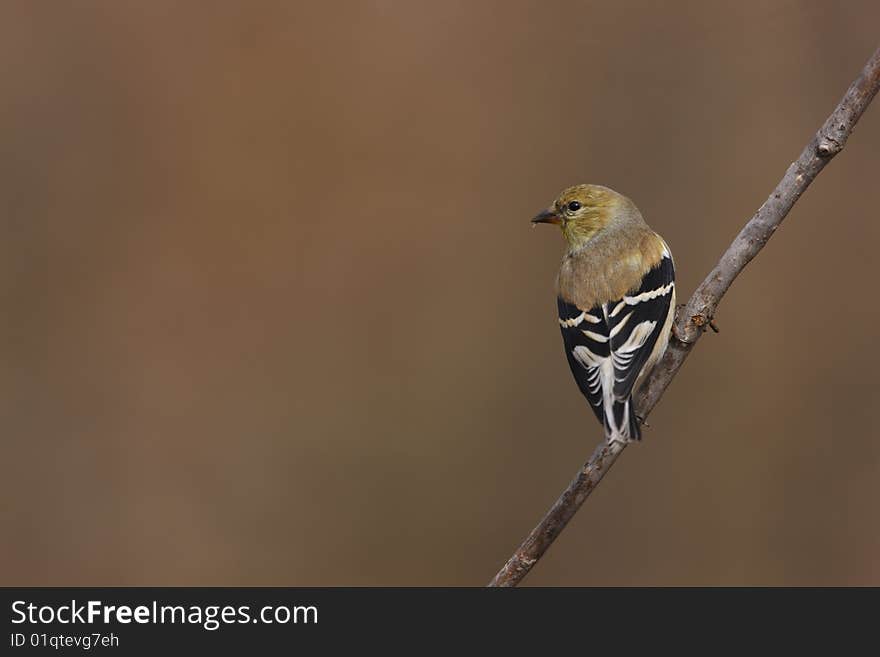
547	217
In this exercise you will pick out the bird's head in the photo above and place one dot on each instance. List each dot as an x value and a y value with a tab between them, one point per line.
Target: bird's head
582	212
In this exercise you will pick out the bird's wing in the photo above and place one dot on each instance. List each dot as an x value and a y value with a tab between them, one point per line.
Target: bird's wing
609	345
637	322
584	334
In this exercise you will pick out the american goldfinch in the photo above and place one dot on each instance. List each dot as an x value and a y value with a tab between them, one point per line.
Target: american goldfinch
616	298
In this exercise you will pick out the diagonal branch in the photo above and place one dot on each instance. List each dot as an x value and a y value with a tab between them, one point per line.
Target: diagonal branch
697	314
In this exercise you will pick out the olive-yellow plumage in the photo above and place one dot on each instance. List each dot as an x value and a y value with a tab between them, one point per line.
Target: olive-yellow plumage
616	299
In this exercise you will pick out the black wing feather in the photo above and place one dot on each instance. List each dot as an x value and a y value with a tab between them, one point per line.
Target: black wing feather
600	321
572	337
652	310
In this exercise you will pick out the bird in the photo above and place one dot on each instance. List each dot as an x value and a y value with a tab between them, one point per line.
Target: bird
616	299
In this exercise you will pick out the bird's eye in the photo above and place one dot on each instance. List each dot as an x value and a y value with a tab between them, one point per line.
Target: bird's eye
574	206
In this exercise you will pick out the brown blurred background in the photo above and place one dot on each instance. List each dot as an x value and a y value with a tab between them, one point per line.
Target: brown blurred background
273	312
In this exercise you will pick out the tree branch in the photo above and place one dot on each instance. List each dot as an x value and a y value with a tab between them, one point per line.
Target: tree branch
692	320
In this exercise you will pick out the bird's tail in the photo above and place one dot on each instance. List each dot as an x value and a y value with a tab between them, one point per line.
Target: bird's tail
621	424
